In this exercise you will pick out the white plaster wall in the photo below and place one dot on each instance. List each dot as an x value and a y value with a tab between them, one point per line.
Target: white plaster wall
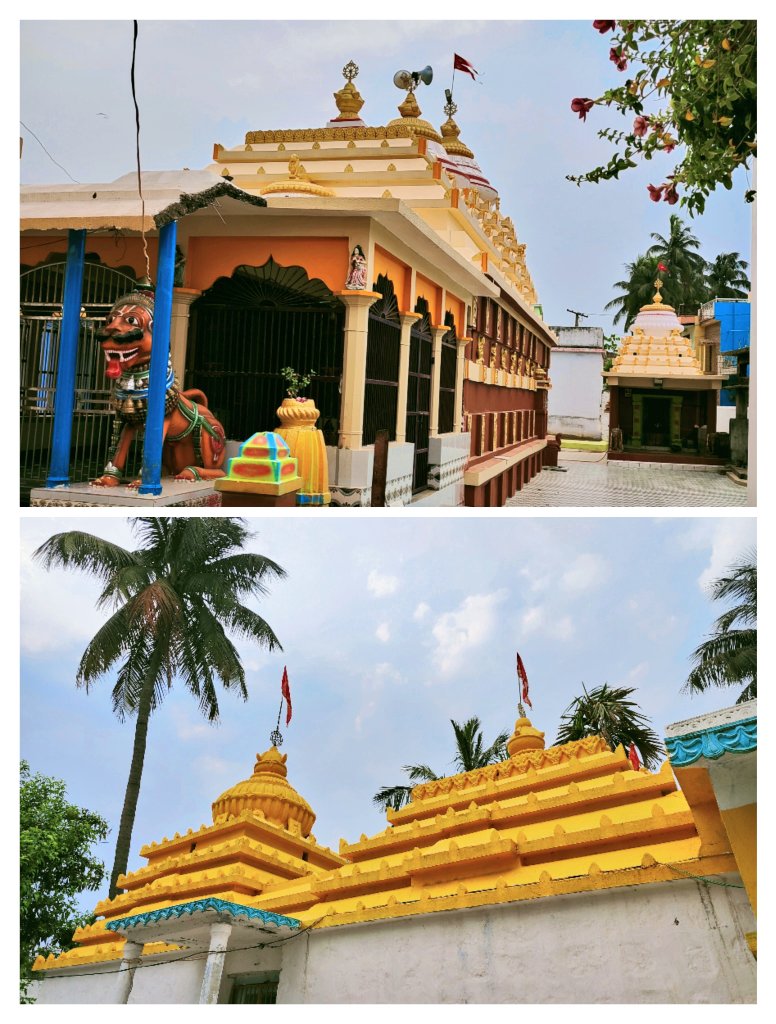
576	387
671	943
175	982
725	414
92	985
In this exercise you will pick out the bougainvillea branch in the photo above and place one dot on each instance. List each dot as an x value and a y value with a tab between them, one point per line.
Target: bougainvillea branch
688	84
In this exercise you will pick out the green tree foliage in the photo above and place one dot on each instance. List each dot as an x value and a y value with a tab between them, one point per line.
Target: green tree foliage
726	277
636	290
174	599
56	864
729	656
686	84
470	753
606	711
683	286
689	280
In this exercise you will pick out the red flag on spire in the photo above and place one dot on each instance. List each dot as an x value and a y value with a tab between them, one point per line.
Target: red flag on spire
633	757
286	692
663	267
462	64
523	677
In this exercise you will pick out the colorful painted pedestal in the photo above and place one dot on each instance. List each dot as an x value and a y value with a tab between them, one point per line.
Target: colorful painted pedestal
263	474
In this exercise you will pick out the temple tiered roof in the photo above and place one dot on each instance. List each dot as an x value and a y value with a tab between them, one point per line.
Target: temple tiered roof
545	822
656	348
430	171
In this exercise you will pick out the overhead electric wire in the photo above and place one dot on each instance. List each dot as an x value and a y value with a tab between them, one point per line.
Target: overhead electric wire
51	158
137	150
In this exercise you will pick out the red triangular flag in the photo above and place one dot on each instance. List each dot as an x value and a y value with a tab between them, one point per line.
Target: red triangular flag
523	677
286	692
633	757
663	267
462	64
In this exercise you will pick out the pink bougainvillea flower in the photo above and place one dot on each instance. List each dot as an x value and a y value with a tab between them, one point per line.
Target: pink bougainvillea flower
640	126
604	26
655	194
671	195
617	58
582	105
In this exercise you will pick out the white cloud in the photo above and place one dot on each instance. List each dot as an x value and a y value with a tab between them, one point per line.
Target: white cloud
585	573
532	619
464	629
564	628
381	586
421	611
383	632
728	541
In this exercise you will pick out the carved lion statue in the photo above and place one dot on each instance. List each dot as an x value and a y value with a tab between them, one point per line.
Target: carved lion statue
194	440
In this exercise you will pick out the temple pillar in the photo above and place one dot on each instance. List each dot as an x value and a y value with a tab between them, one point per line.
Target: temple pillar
64	396
437	333
129	960
214	967
676	420
407	320
182	299
638	421
357	305
460	364
151	475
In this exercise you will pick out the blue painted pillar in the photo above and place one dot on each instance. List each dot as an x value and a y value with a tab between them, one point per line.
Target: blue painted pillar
64	397
151	476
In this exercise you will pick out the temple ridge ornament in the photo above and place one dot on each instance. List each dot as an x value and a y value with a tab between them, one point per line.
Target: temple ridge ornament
348	99
194	440
356	279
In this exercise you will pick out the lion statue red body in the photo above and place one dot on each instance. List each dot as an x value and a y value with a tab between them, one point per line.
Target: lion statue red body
194	440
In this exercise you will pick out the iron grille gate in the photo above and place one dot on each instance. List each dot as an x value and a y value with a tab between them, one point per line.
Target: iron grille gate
246	328
383	351
42	290
419	398
235	356
447	371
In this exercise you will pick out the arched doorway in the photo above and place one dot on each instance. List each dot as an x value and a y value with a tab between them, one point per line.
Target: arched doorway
247	327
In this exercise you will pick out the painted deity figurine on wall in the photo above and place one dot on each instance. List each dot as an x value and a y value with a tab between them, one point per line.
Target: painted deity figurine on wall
357	273
194	441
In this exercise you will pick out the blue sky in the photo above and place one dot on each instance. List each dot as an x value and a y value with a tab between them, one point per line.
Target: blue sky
204	82
390	627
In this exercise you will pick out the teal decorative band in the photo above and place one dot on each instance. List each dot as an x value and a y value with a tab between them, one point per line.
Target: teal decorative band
738	738
199	906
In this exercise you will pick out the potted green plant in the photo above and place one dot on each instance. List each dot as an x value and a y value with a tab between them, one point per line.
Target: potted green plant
296	382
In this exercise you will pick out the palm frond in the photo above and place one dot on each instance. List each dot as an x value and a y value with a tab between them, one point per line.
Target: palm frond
78	550
392	796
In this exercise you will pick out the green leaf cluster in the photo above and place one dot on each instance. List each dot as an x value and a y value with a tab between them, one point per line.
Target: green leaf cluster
695	83
690	280
607	711
57	862
470	752
175	601
728	657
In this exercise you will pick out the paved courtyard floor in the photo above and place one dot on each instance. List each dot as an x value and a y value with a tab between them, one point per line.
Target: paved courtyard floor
591	480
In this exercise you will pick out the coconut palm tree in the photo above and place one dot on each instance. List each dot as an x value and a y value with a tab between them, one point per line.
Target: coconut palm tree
606	711
684	286
729	656
637	289
174	599
726	277
470	753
